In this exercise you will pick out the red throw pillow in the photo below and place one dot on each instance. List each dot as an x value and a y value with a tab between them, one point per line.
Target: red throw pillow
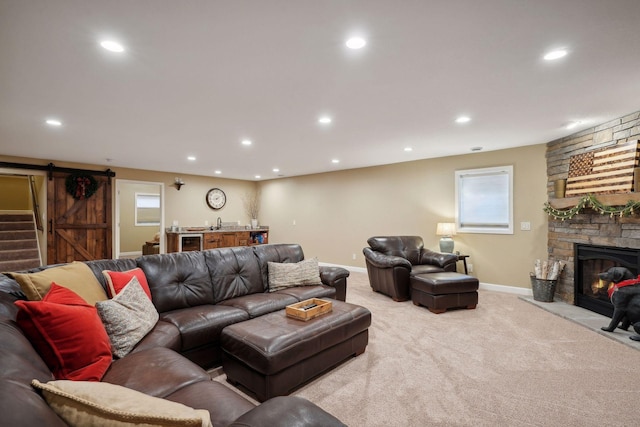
117	280
67	333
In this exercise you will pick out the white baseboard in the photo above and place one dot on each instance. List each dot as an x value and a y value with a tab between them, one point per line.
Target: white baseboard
348	267
487	286
128	254
355	269
507	289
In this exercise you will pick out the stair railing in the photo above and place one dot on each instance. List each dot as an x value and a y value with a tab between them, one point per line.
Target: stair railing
36	205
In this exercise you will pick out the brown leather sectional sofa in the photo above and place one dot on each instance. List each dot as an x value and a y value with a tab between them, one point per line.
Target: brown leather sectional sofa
197	294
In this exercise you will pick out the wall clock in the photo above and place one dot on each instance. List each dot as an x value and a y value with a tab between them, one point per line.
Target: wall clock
216	198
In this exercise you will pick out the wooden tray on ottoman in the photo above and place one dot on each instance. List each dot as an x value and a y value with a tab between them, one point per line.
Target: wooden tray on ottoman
298	312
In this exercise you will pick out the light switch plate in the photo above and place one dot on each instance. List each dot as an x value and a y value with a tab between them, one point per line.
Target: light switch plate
525	226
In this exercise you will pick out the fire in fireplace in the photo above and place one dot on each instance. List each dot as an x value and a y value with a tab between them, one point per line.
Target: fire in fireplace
590	260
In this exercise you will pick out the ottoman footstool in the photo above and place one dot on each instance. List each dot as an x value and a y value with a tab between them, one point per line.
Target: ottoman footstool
441	291
272	355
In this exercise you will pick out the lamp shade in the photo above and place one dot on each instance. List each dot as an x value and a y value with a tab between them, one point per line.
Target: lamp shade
446	229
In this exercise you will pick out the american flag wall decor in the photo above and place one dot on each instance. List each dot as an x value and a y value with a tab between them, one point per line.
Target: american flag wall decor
603	171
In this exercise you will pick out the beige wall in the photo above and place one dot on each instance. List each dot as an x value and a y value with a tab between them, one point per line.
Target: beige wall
335	213
15	193
188	206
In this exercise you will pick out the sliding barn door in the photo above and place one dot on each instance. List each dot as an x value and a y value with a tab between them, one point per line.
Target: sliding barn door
79	227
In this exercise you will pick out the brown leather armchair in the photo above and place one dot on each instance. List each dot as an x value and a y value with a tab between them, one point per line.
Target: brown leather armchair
392	259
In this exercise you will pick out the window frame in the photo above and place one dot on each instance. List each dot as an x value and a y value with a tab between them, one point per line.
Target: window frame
497	227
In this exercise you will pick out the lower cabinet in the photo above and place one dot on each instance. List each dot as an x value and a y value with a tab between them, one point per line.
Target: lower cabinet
220	239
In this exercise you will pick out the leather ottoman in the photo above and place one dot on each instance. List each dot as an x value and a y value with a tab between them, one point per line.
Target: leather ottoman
274	354
441	291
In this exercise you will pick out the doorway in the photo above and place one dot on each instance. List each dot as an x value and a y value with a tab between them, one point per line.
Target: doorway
139	218
26	190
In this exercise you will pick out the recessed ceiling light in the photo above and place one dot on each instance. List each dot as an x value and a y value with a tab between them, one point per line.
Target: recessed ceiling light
191	158
476	148
53	122
246	142
408	149
555	54
356	43
335	161
257	176
574	124
324	120
276	170
463	119
112	46
217	172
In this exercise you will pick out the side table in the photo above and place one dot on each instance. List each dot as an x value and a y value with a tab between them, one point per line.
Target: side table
463	258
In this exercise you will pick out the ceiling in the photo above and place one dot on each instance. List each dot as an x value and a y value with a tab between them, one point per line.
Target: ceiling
199	76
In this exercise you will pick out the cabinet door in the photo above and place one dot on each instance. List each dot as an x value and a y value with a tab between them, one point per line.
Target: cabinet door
211	241
243	238
172	242
229	239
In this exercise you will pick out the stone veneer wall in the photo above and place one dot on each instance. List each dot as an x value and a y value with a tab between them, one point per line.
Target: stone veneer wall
588	227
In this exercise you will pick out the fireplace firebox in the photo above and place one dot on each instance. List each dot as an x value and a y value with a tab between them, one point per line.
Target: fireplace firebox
591	260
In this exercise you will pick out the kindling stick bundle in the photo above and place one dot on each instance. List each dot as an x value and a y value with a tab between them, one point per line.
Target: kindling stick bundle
548	270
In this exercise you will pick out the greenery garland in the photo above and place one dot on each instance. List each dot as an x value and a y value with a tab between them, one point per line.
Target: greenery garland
81	186
591	201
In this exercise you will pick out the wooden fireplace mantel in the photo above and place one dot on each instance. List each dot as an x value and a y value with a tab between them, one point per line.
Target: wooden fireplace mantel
619	199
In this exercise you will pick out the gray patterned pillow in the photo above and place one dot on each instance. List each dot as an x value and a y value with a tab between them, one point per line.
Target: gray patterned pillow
127	317
288	274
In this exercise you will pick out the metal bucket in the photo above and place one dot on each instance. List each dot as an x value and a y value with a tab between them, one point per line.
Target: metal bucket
543	290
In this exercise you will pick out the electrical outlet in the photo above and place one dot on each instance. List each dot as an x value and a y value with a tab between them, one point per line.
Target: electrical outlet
294	222
525	226
354	256
470	268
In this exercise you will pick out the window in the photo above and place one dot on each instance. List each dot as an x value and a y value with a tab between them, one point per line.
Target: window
484	200
147	209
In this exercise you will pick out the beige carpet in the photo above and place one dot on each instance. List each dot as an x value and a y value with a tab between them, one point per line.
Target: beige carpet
506	363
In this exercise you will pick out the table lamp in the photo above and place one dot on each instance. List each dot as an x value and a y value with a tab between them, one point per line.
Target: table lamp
446	230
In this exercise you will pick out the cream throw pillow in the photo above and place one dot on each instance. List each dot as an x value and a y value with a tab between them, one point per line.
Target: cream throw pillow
87	403
127	317
76	276
284	275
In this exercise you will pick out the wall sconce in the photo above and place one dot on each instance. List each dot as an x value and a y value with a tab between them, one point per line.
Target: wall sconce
446	230
178	183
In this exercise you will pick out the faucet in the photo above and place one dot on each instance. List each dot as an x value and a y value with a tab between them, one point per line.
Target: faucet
219	223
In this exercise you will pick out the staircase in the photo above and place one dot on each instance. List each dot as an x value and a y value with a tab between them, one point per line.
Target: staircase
18	241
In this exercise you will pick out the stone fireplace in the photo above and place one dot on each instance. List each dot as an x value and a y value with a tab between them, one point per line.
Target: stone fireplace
589	227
